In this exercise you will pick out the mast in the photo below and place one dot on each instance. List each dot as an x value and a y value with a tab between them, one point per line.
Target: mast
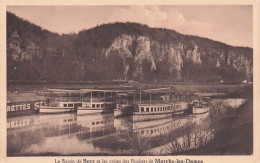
91	96
150	98
140	96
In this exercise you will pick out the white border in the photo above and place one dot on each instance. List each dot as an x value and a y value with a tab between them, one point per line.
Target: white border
256	17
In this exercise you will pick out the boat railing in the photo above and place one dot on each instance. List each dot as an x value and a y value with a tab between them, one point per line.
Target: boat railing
96	100
154	102
64	99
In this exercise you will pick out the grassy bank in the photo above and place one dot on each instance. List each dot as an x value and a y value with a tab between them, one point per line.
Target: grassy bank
235	138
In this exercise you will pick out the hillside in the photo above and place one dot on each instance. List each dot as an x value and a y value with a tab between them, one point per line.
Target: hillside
118	51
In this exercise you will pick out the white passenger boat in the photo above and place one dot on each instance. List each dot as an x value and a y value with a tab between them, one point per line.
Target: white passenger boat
59	107
201	106
96	107
145	112
152	110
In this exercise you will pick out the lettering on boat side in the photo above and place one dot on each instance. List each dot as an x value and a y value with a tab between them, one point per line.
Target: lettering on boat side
23	106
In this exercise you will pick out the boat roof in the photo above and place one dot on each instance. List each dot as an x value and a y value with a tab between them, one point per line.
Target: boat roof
158	90
88	90
107	90
64	90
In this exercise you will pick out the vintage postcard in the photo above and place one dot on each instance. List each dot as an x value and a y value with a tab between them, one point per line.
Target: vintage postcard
129	82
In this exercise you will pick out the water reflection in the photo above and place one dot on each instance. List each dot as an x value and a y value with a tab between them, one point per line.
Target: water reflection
102	134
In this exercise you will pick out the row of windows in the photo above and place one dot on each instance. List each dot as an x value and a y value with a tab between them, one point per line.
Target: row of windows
154	109
101	105
72	105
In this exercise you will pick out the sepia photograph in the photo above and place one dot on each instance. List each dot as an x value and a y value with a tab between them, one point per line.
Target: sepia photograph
129	80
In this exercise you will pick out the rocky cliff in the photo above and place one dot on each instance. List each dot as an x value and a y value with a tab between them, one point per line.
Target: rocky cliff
119	51
176	55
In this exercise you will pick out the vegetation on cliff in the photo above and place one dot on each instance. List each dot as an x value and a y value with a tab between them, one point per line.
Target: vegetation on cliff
121	51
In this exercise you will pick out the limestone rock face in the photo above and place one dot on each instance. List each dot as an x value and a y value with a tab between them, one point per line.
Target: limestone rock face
173	55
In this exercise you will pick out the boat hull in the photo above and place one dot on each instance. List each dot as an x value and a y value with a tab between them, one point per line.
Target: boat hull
200	110
53	110
148	117
82	110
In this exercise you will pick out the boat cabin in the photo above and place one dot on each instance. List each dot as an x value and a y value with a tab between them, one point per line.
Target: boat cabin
70	104
99	105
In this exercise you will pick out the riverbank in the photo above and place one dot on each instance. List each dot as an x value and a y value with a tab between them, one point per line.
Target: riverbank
236	138
231	90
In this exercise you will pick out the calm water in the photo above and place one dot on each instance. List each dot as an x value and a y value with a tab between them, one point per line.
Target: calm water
71	134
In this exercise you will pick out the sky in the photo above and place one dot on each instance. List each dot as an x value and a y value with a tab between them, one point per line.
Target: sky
231	24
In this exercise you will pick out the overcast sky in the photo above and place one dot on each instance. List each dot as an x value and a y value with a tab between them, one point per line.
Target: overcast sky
229	24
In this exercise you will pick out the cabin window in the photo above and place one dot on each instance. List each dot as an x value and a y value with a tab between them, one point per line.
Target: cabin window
97	122
93	123
142	109
198	104
142	132
98	105
65	105
80	104
160	108
102	105
101	122
147	109
151	109
93	105
70	105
